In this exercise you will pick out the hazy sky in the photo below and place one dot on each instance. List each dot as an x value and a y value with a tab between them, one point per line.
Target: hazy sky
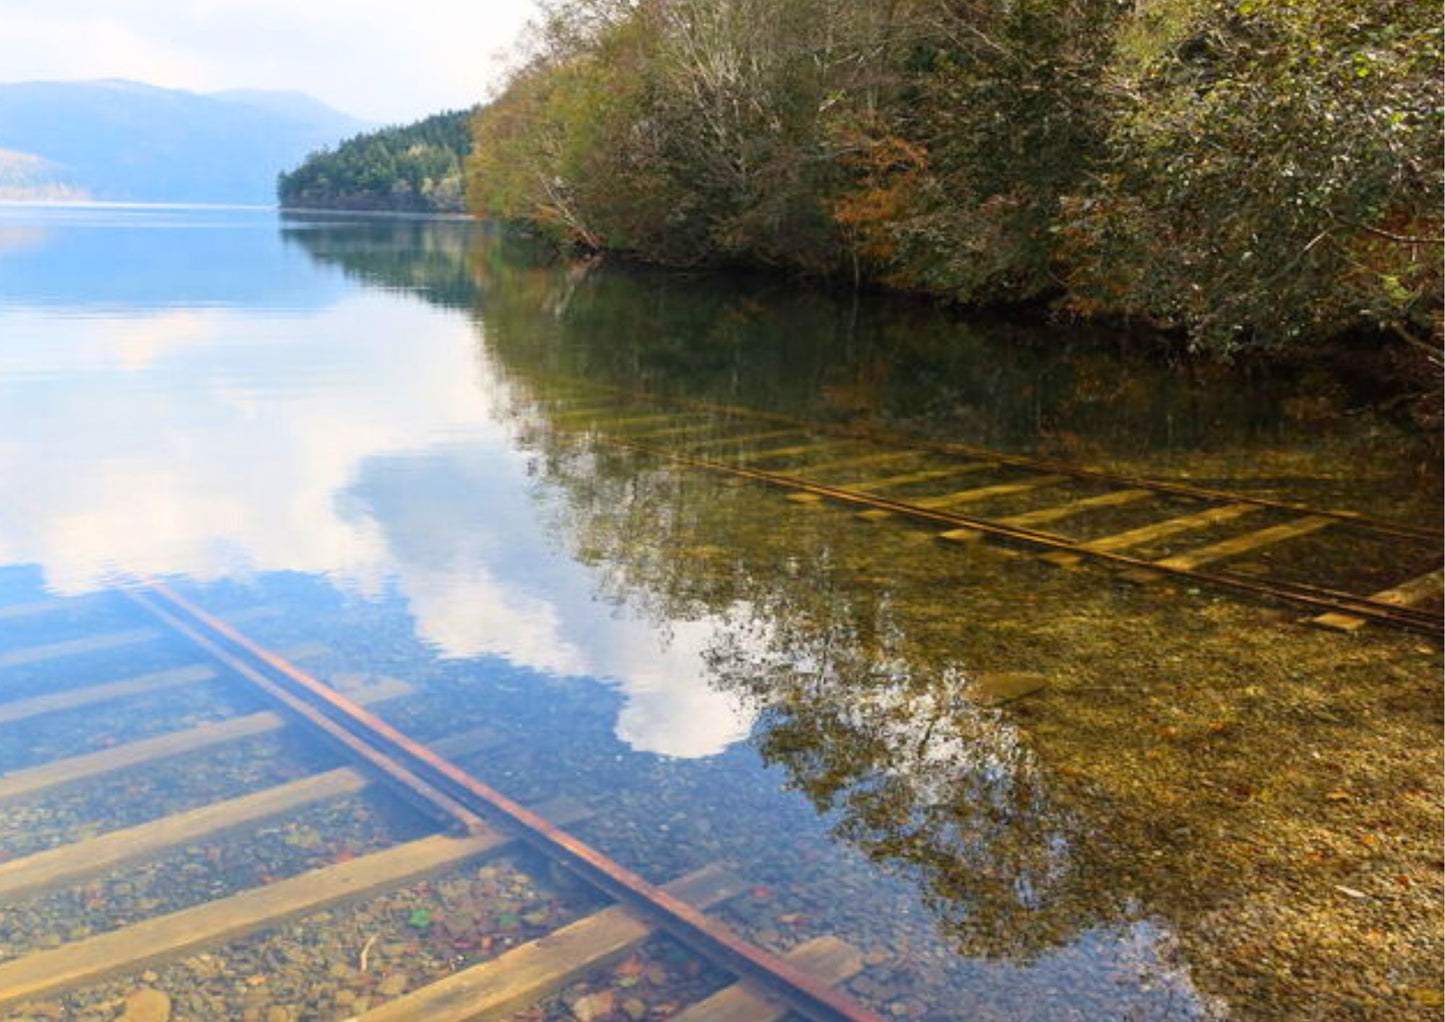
384	60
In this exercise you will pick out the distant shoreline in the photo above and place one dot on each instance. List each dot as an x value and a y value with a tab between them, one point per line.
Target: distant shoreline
391	214
240	207
103	204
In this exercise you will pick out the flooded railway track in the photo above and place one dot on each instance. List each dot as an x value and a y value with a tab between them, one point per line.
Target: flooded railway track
624	912
1149	530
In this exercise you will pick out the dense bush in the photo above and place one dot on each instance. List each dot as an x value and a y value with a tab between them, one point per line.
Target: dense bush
1249	171
1273	172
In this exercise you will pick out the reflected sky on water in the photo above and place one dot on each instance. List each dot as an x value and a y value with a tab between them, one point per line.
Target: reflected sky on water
331	410
271	415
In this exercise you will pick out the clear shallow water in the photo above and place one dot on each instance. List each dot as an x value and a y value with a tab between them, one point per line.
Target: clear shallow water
356	424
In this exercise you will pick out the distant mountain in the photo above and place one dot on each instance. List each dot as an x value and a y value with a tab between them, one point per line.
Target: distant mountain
125	141
414	168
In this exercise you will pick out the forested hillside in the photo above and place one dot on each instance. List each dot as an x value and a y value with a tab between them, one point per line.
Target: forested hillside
416	168
1251	172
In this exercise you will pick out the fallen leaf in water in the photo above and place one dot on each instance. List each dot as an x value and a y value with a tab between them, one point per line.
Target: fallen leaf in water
999	687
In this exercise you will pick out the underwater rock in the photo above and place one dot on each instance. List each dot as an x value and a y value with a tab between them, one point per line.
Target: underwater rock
593	1006
145	1004
394	985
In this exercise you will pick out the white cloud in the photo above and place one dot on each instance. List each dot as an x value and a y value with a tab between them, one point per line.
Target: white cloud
470	612
356	442
673	719
371	58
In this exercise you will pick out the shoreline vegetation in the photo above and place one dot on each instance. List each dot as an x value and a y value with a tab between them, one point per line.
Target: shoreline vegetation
415	168
393	214
1242	180
1251	174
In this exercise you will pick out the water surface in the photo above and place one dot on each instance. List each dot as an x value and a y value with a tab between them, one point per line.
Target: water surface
368	429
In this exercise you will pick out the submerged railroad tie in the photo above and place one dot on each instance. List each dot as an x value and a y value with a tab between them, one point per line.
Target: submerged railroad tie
1318	598
1397	605
1416	590
953	449
1343	611
452	792
211	923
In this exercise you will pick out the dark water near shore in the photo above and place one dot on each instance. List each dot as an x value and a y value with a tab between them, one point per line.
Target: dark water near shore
369	429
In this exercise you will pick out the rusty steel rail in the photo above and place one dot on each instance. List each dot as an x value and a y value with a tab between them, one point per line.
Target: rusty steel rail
425	795
1314	597
452	792
950	449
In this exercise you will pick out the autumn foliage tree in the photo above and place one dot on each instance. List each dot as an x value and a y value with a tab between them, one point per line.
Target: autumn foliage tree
1247	171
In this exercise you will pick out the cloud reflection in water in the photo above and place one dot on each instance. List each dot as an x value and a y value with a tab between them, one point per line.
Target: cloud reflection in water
355	442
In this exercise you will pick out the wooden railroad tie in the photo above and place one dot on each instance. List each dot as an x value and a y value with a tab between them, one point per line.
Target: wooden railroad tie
942	510
529	972
828	959
174	677
1233	547
29	655
738	440
962	497
862	461
960	450
216	922
927	475
423	775
72	862
51	605
31	780
1150	533
1406	594
772	453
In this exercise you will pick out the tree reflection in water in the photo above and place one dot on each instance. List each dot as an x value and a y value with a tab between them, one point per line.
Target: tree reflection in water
1171	771
870	717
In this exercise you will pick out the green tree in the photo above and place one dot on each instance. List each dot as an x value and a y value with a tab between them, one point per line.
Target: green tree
1274	172
1249	172
415	168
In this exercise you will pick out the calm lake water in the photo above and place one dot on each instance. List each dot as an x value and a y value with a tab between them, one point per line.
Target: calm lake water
366	441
